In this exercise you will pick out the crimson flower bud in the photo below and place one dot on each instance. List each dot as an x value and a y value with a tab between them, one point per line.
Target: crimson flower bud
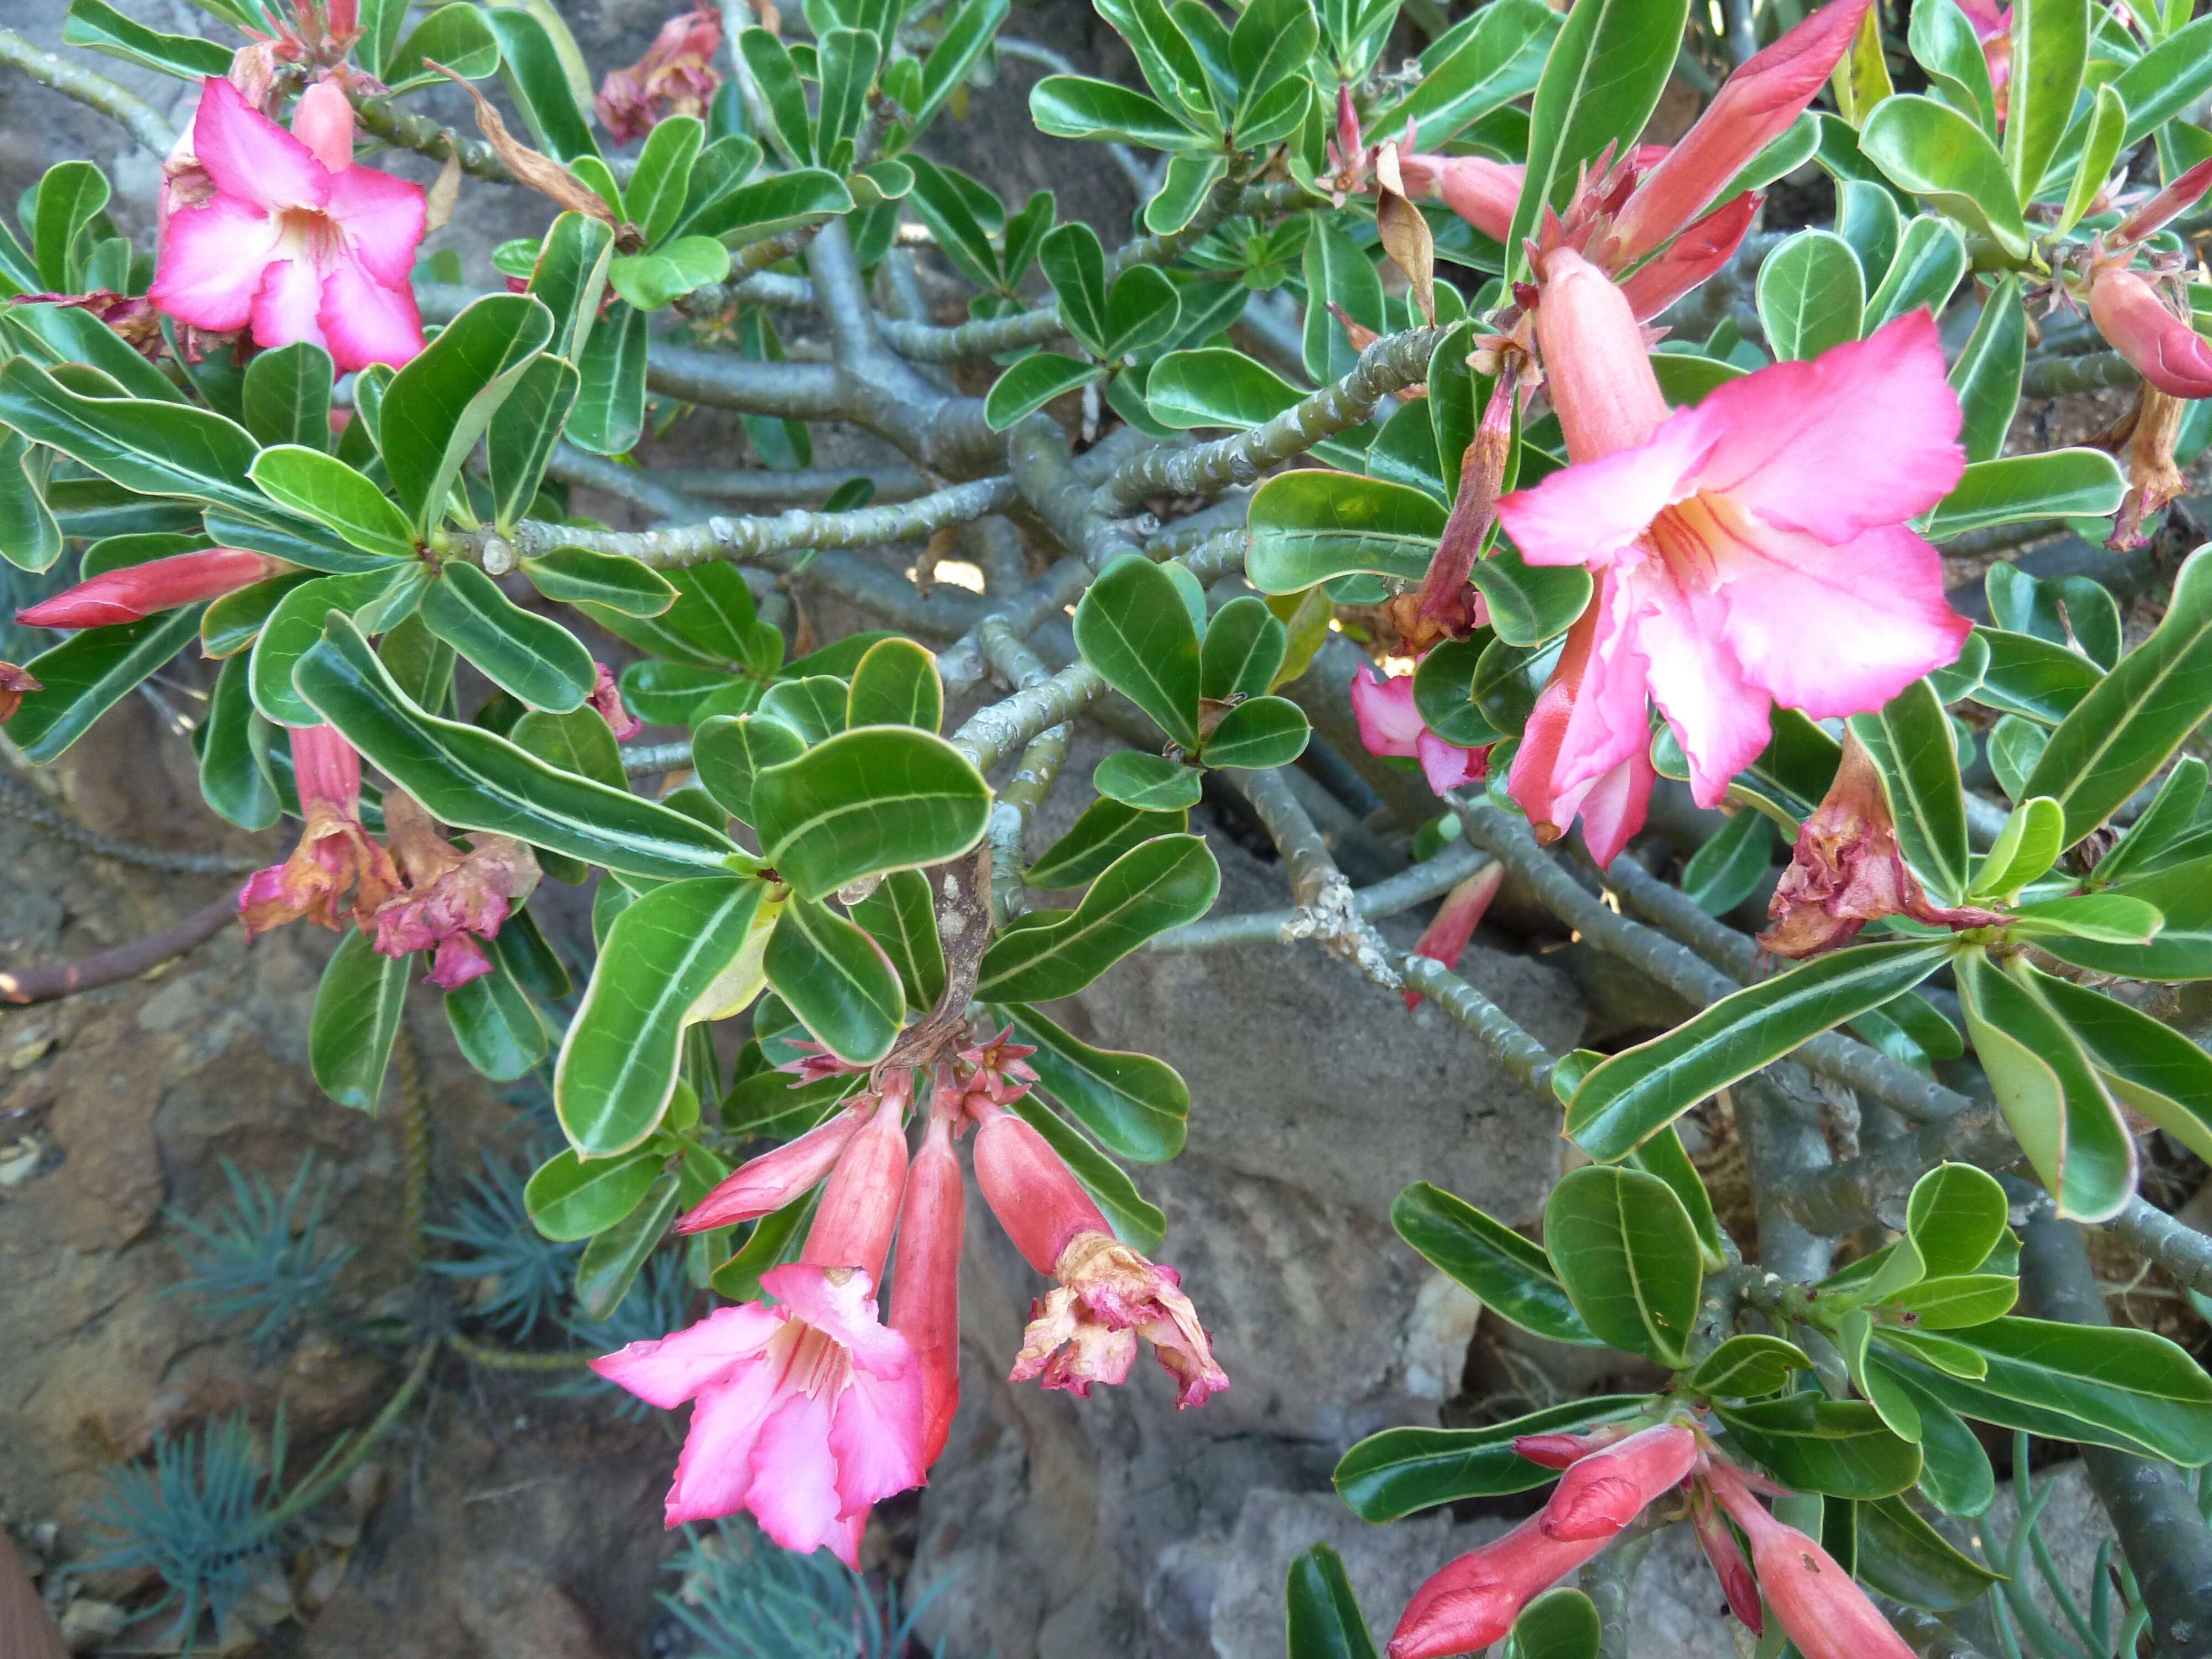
925	1291
1826	1613
860	1208
1601	1493
767	1183
137	591
1473	1601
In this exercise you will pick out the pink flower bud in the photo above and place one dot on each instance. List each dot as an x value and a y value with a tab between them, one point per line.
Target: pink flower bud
1029	1189
1726	1556
860	1208
925	1291
1595	364
1824	1614
2176	199
1754	106
1446	939
1601	1493
767	1183
1482	192
2129	312
606	701
1473	1601
1557	1451
137	591
1693	256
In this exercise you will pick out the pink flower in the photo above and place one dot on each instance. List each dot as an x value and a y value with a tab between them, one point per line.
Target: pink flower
137	591
808	1412
1085	1331
606	700
1846	869
296	243
336	873
1749	550
1824	1613
1446	939
997	1069
1390	725
1754	106
765	1184
676	77
925	1295
1604	1491
451	895
2139	325
1473	1601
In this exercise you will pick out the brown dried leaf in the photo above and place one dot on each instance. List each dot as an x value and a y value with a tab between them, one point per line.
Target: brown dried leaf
1404	232
438	209
540	172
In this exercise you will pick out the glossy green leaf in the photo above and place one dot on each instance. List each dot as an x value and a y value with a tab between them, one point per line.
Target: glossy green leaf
1443	692
2149	1065
2100	146
1955	1471
1309	527
1214	385
1134	1105
1047	954
901	915
1399	1471
1077	106
146	445
653	198
1932	151
286	396
1841	1448
1340	277
611	1262
1903	1556
574	575
89	673
1260	731
729	752
454	35
1912	745
1486	67
1987	374
1531	604
321	487
2033	677
2182	895
1957	1301
867	801
523	433
354	1021
2162	826
650	280
438	405
545	74
1624	1248
1243	646
1133	627
230	782
1812	294
570	279
531	658
610	413
568	1198
1728	869
896	683
1956	1217
680	952
1747	1365
1511	1275
1106	830
2050	52
813	705
30	539
1930	263
100	26
2029	844
1560	1623
967	34
2072	483
1324	1620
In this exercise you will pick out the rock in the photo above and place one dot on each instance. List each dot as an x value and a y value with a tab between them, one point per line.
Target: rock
87	1624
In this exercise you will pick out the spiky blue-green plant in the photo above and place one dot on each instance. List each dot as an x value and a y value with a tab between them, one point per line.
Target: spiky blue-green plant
745	1598
262	1254
490	1225
200	1513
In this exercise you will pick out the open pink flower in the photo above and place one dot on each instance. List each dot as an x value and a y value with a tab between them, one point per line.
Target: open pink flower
1826	1613
1445	939
676	77
137	591
296	243
453	898
1390	725
336	873
1085	1331
1749	550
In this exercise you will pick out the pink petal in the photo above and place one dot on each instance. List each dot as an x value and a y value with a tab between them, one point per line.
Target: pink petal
1446	765
1693	256
1721	721
323	121
715	1473
250	156
1865	434
212	257
1388	722
1609	722
876	1437
286	307
1586	513
366	322
844	1538
1613	806
842	1303
669	1370
794	1492
459	960
1835	630
383	219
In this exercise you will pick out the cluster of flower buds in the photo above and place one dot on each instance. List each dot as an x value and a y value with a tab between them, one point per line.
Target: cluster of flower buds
1611	1478
812	1411
676	77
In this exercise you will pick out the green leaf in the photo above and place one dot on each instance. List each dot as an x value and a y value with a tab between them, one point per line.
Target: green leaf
1031	384
523	433
575	575
100	26
355	1019
1955	1471
1339	272
650	280
544	73
837	980
1167	59
1324	1620
2033	677
1135	1105
1600	85
1309	527
87	675
610	1262
569	1199
146	445
1531	604
1927	270
2168	817
653	198
901	915
286	399
2058	1110
570	279
2100	148
1048	954
1945	44
1931	151
1956	1217
1244	645
1841	1448
610	413
1560	1623
1190	179
1133	627
730	752
1214	385
1624	1247
1513	1276
2151	1067
2131	723
2107	918
2025	850
1485	68
1106	830
1904	1557
1728	867
1636	1092
230	782
1747	1365
813	705
2058	483
30	539
440	404
686	952
71	196
896	683
867	801
1260	731
1812	294
2050	52
2182	949
967	34
1075	261
1987	376
321	487
1912	746
1399	1471
455	35
1958	1301
1077	106
473	779
1142	311
531	658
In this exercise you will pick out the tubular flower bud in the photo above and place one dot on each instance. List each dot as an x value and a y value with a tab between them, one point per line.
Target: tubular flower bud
1726	1557
2138	324
926	1294
1601	1493
2168	204
137	591
1473	1601
1557	1451
1446	939
1755	105
336	873
1824	1613
860	1208
767	1183
1691	257
1481	191
676	77
807	1413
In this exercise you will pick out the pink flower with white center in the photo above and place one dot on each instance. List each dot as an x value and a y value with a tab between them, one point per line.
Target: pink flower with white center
1445	939
606	701
1085	1331
1826	1613
453	898
297	242
1748	551
336	873
137	591
1389	723
808	1412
